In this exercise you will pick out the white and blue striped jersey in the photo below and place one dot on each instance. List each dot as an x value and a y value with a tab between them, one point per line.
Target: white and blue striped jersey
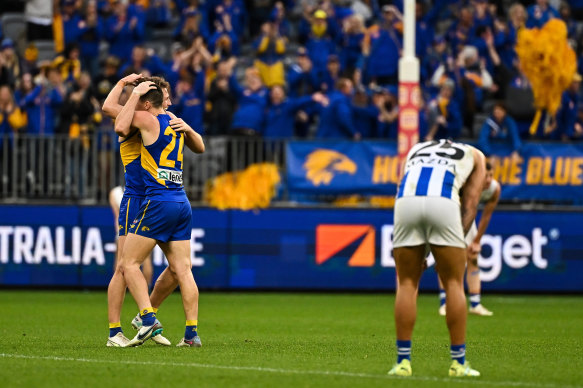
437	168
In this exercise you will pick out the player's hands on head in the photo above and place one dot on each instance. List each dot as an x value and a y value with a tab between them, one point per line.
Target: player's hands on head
179	125
144	87
128	79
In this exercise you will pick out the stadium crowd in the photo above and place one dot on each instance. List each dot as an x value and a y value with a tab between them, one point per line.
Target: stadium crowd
307	69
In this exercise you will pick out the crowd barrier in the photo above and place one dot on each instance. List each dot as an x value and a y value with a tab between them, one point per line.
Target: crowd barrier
286	248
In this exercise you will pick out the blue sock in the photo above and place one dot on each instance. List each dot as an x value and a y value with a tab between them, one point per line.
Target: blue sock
148	316
190	329
441	297
458	352
114	328
474	300
403	350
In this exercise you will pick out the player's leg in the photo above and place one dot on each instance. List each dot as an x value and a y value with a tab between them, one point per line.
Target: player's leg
474	286
148	270
178	255
136	249
451	263
409	266
116	291
442	295
164	286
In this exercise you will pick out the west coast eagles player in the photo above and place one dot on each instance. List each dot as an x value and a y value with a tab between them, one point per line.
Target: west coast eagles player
166	216
430	213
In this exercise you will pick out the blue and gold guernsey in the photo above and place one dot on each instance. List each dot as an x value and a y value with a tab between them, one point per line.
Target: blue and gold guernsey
130	150
162	162
165	214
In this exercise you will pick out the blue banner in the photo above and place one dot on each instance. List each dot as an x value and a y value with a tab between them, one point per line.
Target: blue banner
541	172
292	248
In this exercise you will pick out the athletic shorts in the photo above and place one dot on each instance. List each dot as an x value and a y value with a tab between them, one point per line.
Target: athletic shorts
163	221
427	220
472	233
128	211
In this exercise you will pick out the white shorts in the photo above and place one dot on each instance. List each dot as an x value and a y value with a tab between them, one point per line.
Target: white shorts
472	233
427	220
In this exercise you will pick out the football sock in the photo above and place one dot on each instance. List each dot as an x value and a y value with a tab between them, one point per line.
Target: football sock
458	353
403	350
441	297
474	300
155	310
114	328
148	316
190	330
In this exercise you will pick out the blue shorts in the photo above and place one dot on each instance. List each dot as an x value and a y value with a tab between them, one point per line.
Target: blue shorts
128	211
163	221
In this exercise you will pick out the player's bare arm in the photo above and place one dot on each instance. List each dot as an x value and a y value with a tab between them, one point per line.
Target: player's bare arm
143	120
485	219
192	139
472	190
111	106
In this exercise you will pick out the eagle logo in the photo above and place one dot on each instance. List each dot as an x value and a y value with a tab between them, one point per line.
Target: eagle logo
322	165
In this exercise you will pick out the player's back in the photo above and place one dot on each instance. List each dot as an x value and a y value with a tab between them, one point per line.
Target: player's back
130	150
162	162
436	169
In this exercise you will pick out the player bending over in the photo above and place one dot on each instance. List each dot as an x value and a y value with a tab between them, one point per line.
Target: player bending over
429	213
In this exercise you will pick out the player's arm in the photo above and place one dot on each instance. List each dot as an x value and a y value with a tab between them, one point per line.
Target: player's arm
191	138
472	190
129	117
487	214
111	106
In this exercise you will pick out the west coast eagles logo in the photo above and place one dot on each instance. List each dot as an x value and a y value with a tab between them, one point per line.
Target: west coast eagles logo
322	165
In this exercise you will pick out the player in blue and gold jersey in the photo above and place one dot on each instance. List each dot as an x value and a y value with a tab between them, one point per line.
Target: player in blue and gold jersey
130	204
165	217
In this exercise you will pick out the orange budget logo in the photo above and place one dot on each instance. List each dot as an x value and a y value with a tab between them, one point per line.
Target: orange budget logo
331	239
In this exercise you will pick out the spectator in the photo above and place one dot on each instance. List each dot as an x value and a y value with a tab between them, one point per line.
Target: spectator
9	63
387	120
301	80
279	20
222	101
482	17
12	118
270	47
437	55
320	44
123	31
237	15
190	106
424	30
505	34
24	85
69	64
382	48
39	20
43	102
330	78
77	111
192	26
336	114
71	21
107	79
567	126
252	100
351	45
565	14
445	119
91	33
224	42
462	31
144	60
364	114
499	127
540	13
158	13
280	113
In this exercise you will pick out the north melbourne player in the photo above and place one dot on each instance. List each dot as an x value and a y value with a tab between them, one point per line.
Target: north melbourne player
429	213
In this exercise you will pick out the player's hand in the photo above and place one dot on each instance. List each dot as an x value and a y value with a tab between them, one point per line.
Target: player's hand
144	87
474	248
128	79
179	125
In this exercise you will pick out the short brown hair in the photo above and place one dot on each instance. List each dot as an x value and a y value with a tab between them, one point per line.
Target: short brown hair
155	96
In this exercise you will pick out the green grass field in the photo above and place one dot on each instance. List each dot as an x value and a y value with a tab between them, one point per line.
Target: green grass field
57	339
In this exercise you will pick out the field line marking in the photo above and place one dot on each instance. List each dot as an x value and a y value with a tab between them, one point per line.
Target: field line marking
290	371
